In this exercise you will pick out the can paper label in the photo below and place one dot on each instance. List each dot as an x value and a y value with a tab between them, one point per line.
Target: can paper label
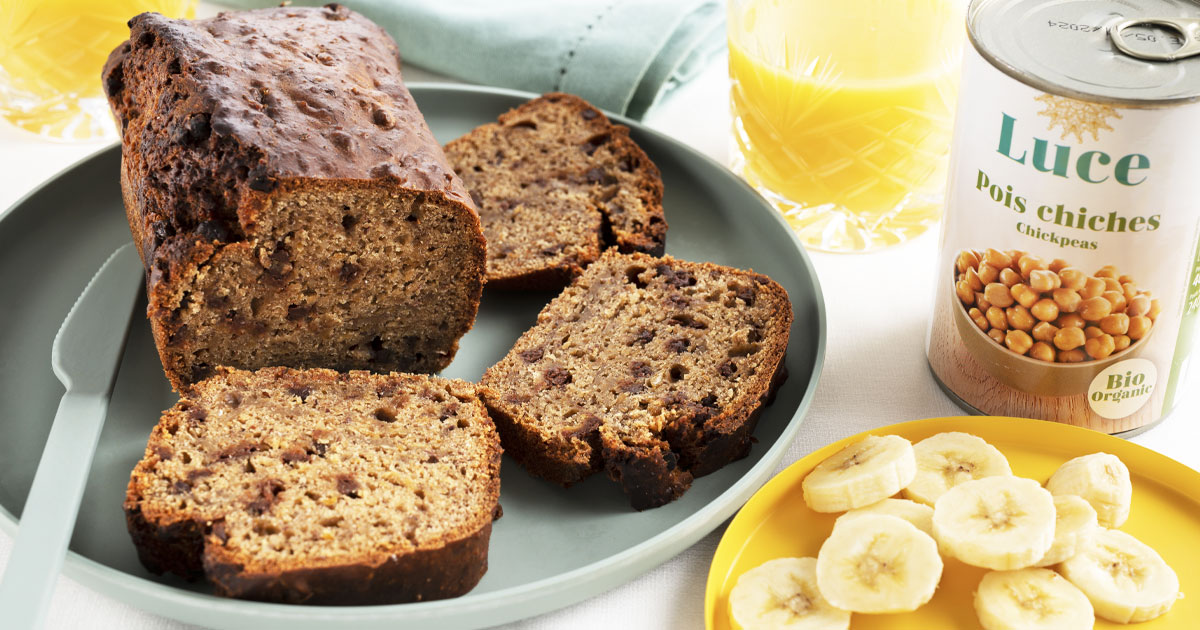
1111	194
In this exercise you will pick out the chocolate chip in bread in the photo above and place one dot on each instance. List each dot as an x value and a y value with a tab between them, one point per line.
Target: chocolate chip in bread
651	369
319	487
556	183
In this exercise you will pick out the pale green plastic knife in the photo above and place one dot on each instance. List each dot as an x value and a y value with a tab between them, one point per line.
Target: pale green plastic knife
85	356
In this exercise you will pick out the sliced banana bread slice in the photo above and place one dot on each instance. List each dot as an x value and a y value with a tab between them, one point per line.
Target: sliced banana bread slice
653	369
318	487
555	183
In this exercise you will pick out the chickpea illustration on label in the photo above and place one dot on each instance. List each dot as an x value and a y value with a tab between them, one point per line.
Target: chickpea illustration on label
1045	307
1068	286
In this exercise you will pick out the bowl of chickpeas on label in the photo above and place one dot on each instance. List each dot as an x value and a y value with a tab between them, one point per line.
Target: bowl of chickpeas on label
1046	327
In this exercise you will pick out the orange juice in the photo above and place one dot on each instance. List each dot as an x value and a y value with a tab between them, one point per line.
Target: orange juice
843	112
51	54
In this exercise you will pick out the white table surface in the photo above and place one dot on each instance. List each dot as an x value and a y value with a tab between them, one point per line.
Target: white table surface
875	374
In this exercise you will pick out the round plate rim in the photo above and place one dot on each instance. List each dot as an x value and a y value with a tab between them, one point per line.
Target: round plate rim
596	577
792	475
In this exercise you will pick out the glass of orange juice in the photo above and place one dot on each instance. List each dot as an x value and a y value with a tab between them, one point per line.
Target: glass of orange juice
842	113
51	54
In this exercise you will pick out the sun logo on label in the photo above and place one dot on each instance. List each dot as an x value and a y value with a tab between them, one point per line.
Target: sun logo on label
1076	117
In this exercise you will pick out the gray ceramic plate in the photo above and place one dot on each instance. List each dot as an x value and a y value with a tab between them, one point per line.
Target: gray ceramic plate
553	547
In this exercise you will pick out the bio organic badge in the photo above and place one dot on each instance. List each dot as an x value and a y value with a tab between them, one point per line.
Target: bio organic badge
1122	388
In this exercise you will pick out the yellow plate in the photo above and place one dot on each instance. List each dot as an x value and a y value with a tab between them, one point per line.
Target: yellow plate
776	523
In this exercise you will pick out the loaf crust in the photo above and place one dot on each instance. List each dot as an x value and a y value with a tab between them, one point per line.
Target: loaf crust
279	149
652	370
313	436
556	183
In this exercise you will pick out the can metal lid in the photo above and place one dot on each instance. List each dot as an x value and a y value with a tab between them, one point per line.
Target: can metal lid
1066	47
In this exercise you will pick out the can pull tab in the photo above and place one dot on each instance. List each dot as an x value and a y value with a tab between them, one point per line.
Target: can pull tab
1188	28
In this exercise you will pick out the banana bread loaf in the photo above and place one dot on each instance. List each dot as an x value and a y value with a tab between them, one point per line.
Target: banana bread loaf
290	204
654	370
319	487
555	183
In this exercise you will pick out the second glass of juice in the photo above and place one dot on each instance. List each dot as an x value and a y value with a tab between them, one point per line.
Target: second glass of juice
842	113
51	55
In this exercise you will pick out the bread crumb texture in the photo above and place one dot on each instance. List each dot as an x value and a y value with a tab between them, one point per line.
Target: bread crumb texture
651	369
313	486
556	183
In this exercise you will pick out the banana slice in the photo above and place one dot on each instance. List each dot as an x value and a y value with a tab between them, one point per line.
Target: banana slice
1124	578
1000	523
863	473
948	459
1031	599
1074	526
1102	480
916	513
876	563
782	594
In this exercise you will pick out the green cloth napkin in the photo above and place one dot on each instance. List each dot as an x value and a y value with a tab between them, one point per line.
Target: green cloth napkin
621	55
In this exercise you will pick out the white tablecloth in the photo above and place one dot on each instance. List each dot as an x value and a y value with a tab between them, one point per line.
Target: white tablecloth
875	374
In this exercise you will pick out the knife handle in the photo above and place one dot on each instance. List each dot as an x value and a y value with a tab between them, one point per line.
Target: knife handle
50	510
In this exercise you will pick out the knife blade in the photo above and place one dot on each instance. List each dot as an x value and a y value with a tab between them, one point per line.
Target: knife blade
85	357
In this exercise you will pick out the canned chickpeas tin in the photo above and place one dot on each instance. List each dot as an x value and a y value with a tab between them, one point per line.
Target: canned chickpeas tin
1068	283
